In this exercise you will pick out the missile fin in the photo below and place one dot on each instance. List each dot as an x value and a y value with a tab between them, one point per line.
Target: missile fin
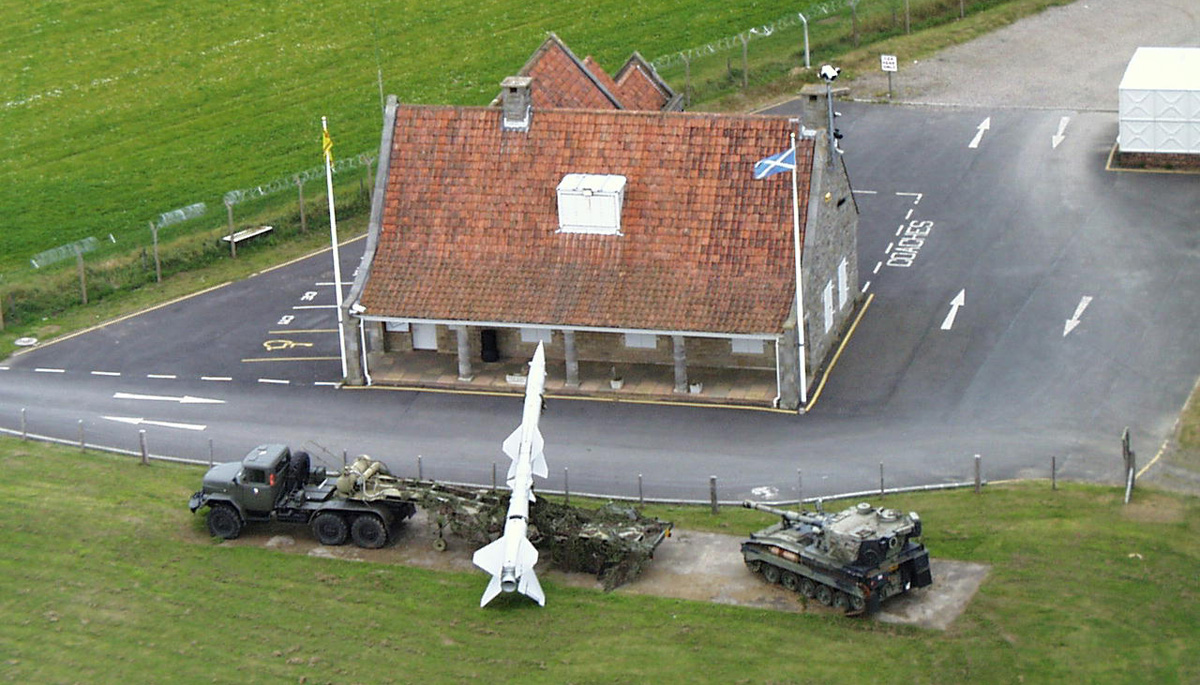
491	557
512	444
492	590
539	467
529	585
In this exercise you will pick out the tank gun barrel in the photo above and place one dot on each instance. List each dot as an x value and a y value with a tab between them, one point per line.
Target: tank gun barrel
790	516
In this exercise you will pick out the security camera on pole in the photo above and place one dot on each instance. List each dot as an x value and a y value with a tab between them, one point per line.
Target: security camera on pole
829	74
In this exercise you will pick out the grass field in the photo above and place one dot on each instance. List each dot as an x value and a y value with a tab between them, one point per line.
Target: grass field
106	577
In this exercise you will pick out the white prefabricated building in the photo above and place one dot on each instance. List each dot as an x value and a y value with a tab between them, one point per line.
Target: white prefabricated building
1160	102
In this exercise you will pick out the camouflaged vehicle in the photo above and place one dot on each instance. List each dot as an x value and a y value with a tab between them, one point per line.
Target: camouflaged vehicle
851	560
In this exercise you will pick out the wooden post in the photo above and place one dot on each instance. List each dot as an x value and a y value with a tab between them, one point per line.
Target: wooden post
232	242
420	469
145	453
1053	473
343	460
687	81
157	263
566	487
712	494
641	499
82	274
907	19
745	61
81	443
24	432
881	490
370	178
303	217
1	311
210	453
799	489
978	475
493	476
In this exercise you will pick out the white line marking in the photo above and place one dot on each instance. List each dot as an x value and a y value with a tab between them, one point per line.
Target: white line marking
888	249
900	230
106	373
327	383
347	284
138	421
878	266
216	378
1058	138
866	192
1074	320
4	368
959	300
161	376
186	399
274	380
909	215
314	306
866	286
46	370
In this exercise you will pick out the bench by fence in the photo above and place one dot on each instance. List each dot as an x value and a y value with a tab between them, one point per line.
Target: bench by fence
247	234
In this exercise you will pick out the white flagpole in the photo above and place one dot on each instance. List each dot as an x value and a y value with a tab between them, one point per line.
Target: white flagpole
333	237
799	280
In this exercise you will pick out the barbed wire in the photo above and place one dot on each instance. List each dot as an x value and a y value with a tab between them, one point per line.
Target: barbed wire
289	182
814	11
57	254
182	214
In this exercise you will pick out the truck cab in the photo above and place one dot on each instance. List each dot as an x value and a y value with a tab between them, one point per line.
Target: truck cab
253	486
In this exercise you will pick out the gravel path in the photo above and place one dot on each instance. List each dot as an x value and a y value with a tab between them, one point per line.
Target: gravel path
1070	57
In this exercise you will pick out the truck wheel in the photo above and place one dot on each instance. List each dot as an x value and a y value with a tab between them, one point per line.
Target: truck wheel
824	595
857	604
368	532
330	528
841	601
299	468
790	581
439	544
224	522
771	573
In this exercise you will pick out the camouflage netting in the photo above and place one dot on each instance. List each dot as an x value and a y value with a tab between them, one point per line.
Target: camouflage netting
613	542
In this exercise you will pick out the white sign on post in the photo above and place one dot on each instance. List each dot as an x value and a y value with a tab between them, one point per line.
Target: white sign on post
887	62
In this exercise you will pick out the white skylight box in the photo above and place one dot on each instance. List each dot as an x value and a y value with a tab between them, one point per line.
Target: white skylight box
591	203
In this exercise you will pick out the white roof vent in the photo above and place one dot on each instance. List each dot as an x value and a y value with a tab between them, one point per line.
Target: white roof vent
591	203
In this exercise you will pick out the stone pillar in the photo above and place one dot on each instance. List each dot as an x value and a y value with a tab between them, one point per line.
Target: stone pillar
681	379
465	373
572	359
354	351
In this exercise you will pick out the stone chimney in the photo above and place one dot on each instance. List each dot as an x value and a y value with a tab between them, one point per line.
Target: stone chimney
814	111
516	103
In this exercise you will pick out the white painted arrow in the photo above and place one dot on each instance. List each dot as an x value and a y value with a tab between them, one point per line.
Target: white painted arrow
1062	128
134	421
1074	320
959	300
983	126
186	399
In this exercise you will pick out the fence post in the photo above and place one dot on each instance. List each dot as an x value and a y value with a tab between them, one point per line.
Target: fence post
232	242
745	61
303	217
420	469
210	453
344	460
24	433
712	494
566	487
1130	464
978	475
687	81
1053	472
641	498
881	489
493	476
81	435
82	274
157	263
799	489
142	440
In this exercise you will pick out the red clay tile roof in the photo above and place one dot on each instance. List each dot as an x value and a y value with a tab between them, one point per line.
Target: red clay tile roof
561	80
638	87
470	221
602	77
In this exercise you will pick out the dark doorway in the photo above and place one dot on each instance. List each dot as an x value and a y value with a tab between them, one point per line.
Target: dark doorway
490	349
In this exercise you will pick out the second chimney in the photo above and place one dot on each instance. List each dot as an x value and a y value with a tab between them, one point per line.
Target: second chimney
517	104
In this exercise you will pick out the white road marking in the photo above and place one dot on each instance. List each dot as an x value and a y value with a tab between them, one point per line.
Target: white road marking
866	192
1074	320
866	286
137	421
1062	129
878	266
327	383
983	126
274	380
888	249
106	373
909	215
309	296
186	399
900	229
4	368
161	376
348	284
216	378
959	300
315	306
47	370
916	195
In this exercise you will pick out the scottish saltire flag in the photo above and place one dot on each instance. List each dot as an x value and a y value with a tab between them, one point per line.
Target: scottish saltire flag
776	164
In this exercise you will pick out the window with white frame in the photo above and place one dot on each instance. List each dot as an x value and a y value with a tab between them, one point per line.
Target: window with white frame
536	335
747	346
645	341
827	300
843	278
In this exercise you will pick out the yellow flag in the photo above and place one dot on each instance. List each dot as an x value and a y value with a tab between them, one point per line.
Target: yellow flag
327	146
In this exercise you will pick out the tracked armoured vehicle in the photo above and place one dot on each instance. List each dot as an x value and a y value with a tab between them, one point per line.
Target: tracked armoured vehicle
852	560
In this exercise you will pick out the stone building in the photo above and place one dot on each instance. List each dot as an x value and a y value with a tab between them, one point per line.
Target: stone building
619	238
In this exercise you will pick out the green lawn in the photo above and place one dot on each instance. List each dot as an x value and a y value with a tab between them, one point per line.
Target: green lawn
106	577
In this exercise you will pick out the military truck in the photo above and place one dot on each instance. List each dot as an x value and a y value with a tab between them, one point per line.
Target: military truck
851	560
362	503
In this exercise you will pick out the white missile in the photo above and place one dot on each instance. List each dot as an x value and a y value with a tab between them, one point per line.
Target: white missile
511	558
